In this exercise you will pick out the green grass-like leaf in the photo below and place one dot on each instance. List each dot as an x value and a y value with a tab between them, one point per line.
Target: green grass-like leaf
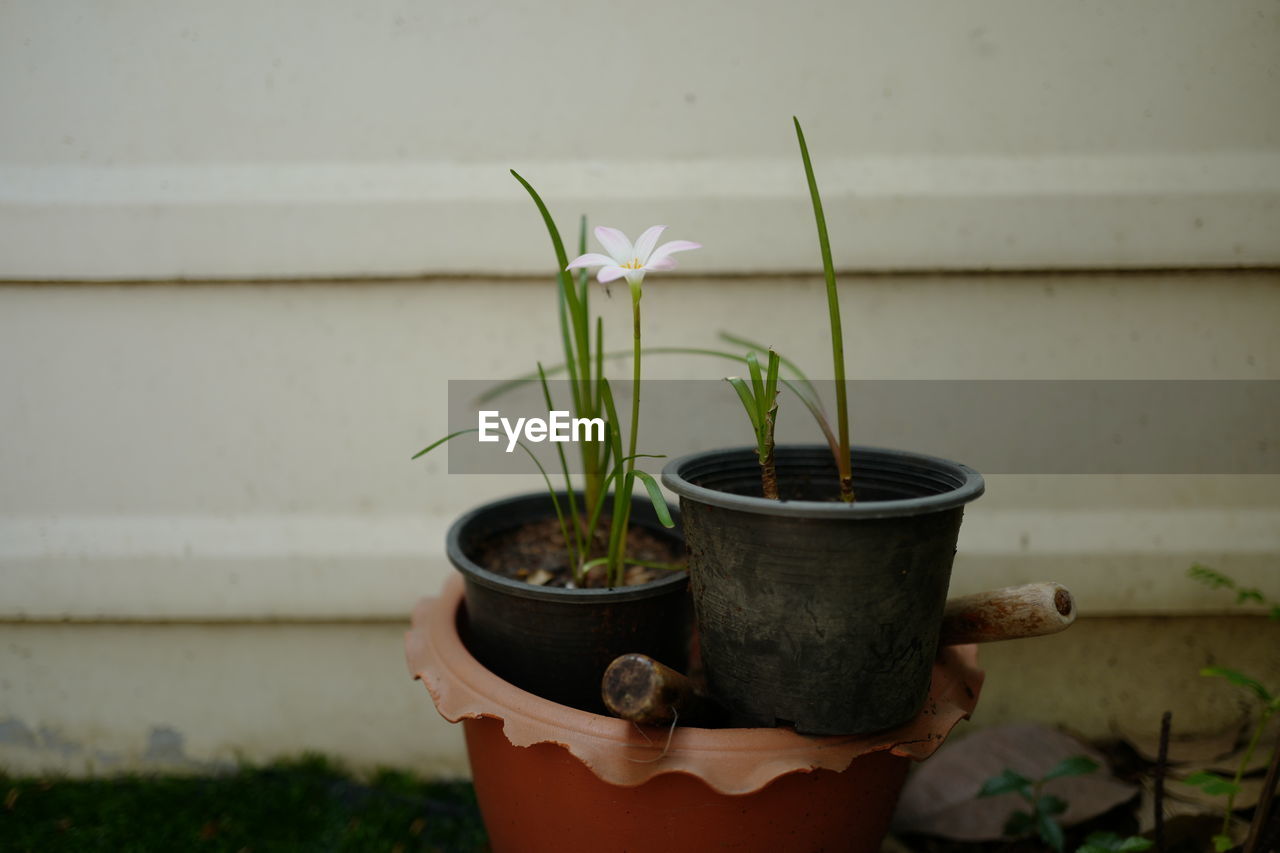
833	310
748	402
300	804
433	445
656	498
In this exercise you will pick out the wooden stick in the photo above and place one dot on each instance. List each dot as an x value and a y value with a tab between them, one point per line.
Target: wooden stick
1031	610
1265	813
636	687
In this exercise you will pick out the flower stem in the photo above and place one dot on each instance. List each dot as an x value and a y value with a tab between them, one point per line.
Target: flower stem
622	496
635	378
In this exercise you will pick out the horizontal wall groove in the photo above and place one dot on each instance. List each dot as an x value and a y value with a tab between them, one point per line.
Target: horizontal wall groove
389	220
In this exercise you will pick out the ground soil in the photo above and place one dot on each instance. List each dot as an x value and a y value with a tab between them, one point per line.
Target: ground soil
534	550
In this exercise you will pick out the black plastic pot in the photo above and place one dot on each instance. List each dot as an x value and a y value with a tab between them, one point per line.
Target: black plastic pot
810	611
557	642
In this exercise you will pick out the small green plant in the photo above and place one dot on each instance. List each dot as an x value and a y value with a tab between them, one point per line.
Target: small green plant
837	439
760	399
1267	703
608	468
1042	818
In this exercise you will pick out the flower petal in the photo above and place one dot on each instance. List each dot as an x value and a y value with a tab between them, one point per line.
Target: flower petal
590	259
615	243
661	264
646	241
610	273
666	249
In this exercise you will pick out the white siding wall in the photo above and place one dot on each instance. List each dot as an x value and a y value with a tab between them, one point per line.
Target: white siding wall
209	527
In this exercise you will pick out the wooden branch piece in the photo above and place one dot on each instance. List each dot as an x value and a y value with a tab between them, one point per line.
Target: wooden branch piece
1031	610
636	687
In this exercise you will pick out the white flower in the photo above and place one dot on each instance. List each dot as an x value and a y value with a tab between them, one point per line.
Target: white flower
630	261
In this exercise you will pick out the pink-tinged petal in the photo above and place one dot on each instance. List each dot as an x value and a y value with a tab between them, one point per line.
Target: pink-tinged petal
610	273
646	241
616	244
666	249
590	259
661	264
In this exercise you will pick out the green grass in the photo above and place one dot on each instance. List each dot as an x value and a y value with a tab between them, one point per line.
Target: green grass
307	804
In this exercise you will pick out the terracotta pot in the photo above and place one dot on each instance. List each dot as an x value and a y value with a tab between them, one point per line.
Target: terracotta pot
552	778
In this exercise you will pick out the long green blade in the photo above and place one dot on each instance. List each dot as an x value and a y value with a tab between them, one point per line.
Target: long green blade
818	415
748	402
757	380
833	306
577	314
771	383
575	545
656	497
433	445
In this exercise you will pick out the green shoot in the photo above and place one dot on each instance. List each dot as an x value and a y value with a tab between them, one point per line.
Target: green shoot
605	465
1268	703
1042	818
1215	579
760	399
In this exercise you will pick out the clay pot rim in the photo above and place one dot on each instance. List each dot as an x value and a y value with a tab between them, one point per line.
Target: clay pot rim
966	483
731	761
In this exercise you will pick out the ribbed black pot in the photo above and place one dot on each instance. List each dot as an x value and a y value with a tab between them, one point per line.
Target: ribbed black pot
810	611
557	642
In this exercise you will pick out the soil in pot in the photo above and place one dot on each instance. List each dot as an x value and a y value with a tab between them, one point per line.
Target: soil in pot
535	553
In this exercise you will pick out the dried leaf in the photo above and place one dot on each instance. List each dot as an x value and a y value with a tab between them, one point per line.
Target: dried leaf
1188	747
539	578
1188	812
941	797
1258	762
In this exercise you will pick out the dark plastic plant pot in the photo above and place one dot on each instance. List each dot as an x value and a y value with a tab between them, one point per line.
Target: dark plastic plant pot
811	611
557	642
